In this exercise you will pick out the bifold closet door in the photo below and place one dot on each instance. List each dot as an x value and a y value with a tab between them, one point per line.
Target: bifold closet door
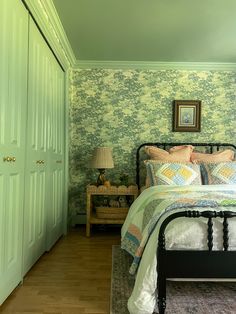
13	105
56	136
35	210
44	184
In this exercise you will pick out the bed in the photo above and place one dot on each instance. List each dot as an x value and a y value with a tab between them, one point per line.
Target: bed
179	232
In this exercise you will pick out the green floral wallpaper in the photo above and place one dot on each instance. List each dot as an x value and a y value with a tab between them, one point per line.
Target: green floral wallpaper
125	108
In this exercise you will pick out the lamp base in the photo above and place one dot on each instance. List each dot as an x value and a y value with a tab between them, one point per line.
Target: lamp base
101	178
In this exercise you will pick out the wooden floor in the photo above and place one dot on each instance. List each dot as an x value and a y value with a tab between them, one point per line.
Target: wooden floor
74	277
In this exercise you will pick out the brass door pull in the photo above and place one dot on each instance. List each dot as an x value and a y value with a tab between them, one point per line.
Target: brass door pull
40	161
9	159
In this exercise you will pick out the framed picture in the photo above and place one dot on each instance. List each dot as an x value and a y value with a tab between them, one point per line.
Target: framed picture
187	116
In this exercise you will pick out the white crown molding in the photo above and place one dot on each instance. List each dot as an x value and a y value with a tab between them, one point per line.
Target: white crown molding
197	66
46	17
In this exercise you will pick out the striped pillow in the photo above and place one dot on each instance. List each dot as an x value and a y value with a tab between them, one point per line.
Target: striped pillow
160	173
219	173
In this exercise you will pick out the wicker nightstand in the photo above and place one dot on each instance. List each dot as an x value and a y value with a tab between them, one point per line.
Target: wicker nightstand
107	215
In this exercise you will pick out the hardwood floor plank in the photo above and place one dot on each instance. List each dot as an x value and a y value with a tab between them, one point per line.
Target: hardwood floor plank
74	277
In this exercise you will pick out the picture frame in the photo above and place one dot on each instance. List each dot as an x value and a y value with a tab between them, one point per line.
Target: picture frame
186	116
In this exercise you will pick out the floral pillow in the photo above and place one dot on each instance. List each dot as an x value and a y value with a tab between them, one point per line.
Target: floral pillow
219	173
168	173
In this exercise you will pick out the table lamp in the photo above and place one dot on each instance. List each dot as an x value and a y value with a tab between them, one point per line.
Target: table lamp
102	160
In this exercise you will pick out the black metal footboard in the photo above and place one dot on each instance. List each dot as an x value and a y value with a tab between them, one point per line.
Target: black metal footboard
194	263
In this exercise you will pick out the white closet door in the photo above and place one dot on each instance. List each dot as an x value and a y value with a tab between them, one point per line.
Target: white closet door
35	210
13	105
56	211
44	197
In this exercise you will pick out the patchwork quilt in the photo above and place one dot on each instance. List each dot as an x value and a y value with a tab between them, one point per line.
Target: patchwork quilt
156	203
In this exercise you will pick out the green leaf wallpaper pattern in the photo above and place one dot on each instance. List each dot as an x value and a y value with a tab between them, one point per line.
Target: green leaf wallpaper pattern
125	108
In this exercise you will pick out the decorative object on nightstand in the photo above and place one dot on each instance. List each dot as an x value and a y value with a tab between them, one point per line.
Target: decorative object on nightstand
102	160
114	203
115	214
107	183
123	201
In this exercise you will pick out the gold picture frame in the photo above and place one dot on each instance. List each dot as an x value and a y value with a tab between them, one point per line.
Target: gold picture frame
186	116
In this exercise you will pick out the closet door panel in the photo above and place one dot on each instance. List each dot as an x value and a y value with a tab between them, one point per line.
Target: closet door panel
13	64
56	151
12	231
13	106
56	212
36	157
34	238
2	219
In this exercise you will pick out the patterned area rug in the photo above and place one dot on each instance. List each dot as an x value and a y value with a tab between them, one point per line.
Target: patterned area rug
182	297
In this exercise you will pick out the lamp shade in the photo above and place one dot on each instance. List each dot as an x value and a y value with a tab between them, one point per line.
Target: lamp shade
102	158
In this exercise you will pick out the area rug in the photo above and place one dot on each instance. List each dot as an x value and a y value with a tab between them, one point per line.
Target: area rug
182	297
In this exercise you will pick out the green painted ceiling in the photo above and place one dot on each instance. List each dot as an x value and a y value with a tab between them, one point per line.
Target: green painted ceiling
150	30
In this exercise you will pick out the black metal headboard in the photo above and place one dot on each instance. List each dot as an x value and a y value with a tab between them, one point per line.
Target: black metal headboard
210	147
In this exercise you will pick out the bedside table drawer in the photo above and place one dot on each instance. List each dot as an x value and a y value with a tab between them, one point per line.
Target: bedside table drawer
111	212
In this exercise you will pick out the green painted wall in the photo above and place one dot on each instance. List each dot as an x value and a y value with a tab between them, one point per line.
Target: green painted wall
124	108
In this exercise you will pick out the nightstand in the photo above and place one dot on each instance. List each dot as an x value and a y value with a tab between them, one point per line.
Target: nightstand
107	215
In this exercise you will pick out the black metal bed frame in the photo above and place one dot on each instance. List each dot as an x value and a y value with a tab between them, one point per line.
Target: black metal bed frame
192	263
